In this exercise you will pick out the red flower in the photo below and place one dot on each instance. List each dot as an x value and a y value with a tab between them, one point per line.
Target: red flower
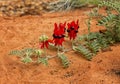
58	35
45	44
73	29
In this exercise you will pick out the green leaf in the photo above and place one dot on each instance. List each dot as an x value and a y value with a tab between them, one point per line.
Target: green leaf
111	4
38	52
16	52
94	46
27	59
85	51
43	61
106	19
64	60
43	38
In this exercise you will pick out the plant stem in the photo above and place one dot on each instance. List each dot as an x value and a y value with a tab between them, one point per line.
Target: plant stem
58	49
49	57
72	43
45	52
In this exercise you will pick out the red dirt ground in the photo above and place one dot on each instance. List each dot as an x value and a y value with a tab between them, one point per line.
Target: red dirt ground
21	32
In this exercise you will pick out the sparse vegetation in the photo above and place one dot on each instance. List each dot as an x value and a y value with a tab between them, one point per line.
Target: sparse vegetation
89	44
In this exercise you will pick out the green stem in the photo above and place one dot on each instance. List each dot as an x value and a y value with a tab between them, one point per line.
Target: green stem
72	43
45	52
58	49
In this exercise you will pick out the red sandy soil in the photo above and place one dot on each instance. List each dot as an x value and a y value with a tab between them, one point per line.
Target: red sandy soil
21	32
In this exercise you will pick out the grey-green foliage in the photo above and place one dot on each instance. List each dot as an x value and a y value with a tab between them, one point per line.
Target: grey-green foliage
84	50
90	44
16	53
112	27
27	59
43	60
88	23
102	40
94	46
114	4
117	31
27	54
112	20
107	19
64	60
23	52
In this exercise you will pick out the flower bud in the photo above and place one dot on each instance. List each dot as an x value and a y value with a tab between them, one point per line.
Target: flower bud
43	38
38	52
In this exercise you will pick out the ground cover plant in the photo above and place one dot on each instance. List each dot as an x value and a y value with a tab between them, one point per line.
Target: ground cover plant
94	42
88	45
57	41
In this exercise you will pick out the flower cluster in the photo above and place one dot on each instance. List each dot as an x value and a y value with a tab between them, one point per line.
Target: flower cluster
59	34
73	29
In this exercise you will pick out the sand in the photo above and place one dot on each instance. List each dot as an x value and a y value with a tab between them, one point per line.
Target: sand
22	32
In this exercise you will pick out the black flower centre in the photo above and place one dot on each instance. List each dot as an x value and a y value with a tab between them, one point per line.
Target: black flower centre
58	36
72	28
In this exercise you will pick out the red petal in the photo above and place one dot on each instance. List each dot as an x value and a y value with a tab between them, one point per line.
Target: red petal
42	45
55	27
73	23
46	44
69	25
77	21
64	24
